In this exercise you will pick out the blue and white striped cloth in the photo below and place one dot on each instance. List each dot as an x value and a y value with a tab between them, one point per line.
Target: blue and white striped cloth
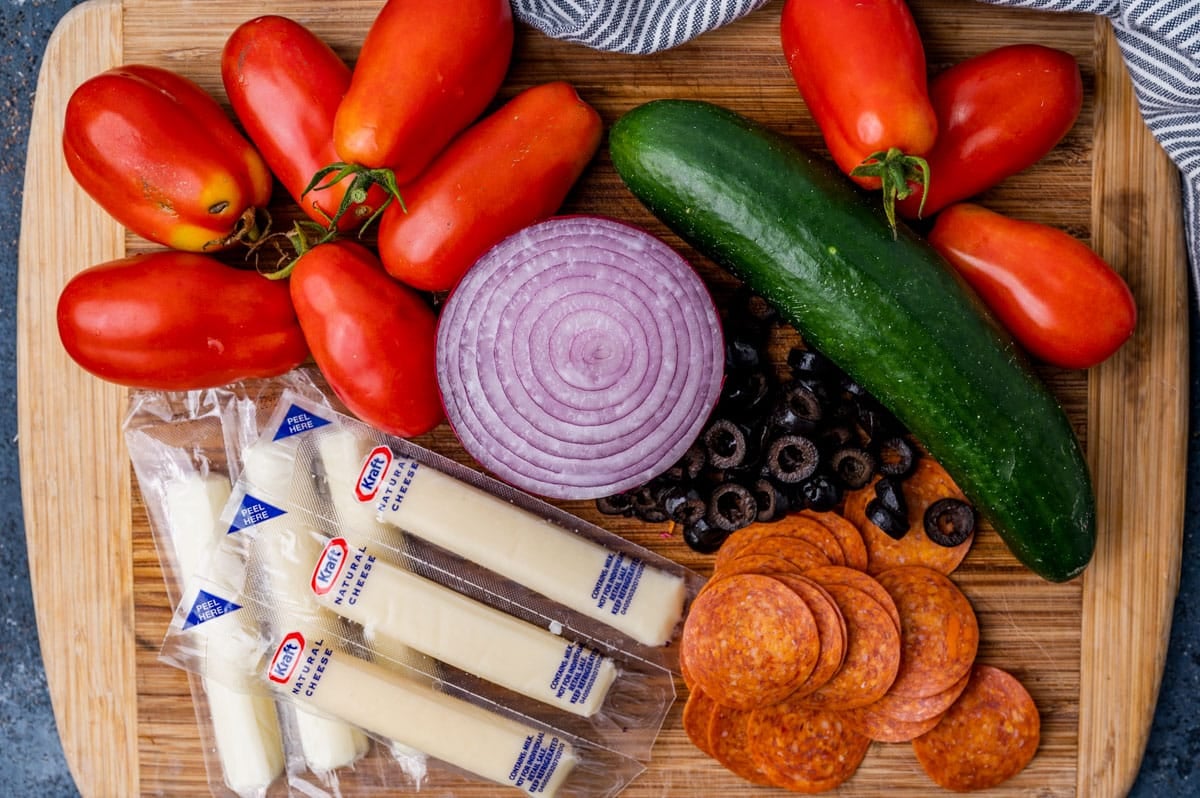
1160	40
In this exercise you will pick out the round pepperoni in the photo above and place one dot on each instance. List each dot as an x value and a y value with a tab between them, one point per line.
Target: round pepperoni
873	724
915	710
697	712
831	628
689	681
986	737
835	575
760	563
728	732
854	550
805	750
749	640
793	526
928	483
872	654
938	630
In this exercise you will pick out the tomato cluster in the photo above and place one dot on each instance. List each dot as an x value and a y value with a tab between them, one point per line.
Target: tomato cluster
932	144
403	137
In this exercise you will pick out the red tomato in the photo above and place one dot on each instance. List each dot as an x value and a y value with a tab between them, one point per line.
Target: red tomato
372	337
999	112
159	154
426	70
178	321
505	172
869	99
285	85
1056	296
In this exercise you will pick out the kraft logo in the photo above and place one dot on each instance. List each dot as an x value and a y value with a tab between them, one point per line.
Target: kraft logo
286	658
329	566
371	476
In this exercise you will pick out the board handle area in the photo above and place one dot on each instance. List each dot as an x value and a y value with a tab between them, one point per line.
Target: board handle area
74	473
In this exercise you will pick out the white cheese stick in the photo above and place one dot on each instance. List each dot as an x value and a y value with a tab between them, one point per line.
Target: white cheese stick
286	554
489	745
609	586
245	727
459	630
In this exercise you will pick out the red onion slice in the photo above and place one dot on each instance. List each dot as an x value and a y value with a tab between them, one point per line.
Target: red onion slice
579	357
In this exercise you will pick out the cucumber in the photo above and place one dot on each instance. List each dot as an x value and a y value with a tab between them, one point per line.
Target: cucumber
889	311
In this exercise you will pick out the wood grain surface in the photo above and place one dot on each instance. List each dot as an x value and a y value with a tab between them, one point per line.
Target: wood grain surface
1091	651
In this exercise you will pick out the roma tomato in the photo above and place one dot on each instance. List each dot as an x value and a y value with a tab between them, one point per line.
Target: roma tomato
999	113
425	71
372	337
511	169
870	100
160	155
1057	297
285	85
178	321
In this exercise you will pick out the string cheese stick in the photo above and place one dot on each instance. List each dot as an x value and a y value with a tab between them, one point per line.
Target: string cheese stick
489	745
327	743
459	630
609	586
245	726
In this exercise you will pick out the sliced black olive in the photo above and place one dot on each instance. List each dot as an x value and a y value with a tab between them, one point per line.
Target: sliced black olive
772	503
896	456
799	410
853	466
888	492
820	492
852	388
731	506
949	521
727	445
646	505
745	393
703	537
892	523
741	352
617	504
759	310
688	467
684	506
791	459
808	363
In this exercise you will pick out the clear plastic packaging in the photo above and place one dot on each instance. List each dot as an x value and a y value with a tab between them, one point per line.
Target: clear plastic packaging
403	632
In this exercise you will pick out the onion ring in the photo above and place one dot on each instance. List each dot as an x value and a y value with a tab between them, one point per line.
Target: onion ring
579	357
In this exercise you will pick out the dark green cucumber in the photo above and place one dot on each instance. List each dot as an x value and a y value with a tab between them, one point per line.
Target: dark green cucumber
888	310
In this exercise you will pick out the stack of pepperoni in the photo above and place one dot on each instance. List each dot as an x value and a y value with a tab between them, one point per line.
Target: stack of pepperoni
819	634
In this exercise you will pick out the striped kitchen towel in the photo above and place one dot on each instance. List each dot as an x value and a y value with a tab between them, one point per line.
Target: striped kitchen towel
1160	40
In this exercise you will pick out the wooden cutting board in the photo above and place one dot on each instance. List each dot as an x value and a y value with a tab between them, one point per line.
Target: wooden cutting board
1091	651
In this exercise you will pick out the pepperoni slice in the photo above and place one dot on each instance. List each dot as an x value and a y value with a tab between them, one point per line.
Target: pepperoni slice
805	750
938	630
763	563
988	736
697	712
728	732
915	710
831	628
854	550
795	526
749	640
835	575
928	483
689	681
872	654
884	728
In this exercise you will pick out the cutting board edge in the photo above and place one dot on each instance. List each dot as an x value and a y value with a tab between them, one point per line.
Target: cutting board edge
1125	643
70	506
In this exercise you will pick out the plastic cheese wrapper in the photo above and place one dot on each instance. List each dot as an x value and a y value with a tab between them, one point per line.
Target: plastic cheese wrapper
184	493
594	574
437	616
320	670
